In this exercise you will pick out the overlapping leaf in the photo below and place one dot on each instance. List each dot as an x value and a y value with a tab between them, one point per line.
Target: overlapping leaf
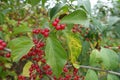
76	17
55	55
20	46
91	75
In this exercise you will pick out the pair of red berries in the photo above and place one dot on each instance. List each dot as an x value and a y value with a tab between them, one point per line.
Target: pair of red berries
57	25
2	44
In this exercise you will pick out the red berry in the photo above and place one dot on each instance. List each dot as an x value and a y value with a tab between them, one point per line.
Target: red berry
46	30
65	69
58	27
41	44
68	76
43	60
46	34
54	23
42	32
57	20
1	47
21	77
49	72
4	44
1	41
62	26
74	30
8	55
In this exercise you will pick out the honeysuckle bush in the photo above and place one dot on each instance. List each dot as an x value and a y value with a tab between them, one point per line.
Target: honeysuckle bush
64	42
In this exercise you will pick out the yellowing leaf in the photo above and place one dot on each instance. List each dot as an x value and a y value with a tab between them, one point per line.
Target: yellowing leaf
26	69
75	47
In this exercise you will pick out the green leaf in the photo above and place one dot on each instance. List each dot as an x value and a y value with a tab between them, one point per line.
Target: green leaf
26	69
20	46
55	10
113	19
33	2
84	56
98	25
95	58
55	55
76	17
1	18
91	75
87	5
109	58
75	47
112	77
22	29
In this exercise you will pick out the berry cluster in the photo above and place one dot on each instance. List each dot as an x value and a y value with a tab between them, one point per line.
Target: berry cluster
2	44
86	33
80	29
36	54
20	77
57	25
44	32
67	75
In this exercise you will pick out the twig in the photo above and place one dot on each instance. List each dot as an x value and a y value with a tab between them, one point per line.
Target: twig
98	69
6	49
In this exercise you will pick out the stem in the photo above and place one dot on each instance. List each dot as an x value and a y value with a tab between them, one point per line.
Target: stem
98	69
6	49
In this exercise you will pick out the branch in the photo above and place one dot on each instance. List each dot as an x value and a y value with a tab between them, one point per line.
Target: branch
98	69
6	49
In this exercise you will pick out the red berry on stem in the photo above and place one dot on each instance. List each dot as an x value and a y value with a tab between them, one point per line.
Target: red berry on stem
65	69
62	26
8	55
1	47
4	44
46	34
42	32
58	27
54	23
57	20
1	41
46	30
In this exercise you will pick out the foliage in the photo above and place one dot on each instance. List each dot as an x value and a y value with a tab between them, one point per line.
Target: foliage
64	42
